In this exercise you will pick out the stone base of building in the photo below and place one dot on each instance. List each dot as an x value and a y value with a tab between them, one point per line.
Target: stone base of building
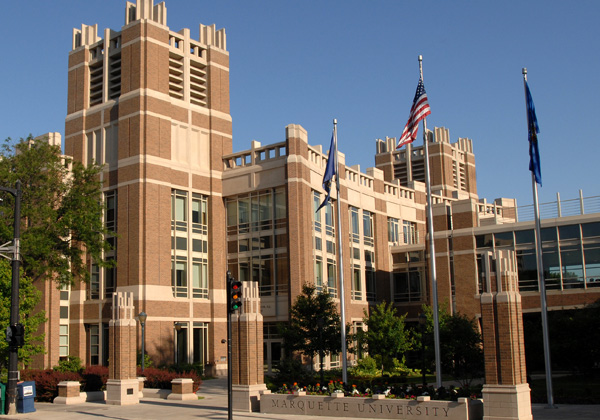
246	397
122	391
507	402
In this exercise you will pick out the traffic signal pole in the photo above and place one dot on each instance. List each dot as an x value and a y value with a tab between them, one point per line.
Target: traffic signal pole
16	340
229	281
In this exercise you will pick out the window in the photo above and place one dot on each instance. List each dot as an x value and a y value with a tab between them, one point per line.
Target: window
319	273
179	277
331	278
94	288
410	232
200	340
199	279
64	341
179	210
354	228
199	214
368	227
356	283
94	345
317	214
393	230
407	286
110	274
110	213
329	226
370	284
527	270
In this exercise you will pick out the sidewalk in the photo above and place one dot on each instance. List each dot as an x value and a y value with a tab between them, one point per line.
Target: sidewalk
213	405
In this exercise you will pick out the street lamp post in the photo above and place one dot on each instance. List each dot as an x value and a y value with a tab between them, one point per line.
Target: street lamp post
142	317
422	322
177	329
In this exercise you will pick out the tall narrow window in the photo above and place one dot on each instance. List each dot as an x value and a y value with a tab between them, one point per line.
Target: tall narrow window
331	278
179	210
179	277
393	230
354	225
199	279
94	288
319	273
356	283
94	344
368	227
109	279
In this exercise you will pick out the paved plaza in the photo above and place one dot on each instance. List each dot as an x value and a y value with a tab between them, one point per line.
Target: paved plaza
213	405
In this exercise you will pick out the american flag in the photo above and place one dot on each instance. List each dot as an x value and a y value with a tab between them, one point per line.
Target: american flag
420	109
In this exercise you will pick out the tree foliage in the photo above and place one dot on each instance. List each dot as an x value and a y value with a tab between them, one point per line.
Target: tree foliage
303	332
61	210
29	297
461	347
386	336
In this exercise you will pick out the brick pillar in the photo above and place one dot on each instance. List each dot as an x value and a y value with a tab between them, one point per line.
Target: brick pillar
506	394
247	351
123	385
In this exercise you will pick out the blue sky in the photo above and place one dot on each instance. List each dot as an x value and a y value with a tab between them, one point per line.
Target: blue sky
307	62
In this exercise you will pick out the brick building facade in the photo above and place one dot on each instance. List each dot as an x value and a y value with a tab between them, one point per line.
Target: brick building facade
152	105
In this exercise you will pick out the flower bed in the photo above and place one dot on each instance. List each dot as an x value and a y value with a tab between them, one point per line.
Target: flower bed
337	405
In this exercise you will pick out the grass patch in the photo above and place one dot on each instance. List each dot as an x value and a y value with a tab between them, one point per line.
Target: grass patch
569	389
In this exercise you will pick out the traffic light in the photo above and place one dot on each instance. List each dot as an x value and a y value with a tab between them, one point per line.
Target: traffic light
235	293
16	335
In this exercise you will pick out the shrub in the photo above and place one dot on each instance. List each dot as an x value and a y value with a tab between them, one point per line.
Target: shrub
94	378
71	364
159	378
46	382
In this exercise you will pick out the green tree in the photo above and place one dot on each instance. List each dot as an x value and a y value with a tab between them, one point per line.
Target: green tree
461	347
61	211
29	297
386	336
314	324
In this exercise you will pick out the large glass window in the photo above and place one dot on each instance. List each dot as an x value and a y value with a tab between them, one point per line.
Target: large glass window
527	270
407	286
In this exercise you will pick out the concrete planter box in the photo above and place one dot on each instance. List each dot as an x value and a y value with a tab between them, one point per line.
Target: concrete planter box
358	407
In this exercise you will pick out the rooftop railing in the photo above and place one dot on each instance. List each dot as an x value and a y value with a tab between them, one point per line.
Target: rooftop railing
561	208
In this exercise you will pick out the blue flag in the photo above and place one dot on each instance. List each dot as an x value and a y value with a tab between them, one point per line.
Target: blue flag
533	130
330	170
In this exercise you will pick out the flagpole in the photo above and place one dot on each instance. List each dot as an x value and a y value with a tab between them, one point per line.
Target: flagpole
341	270
434	288
540	266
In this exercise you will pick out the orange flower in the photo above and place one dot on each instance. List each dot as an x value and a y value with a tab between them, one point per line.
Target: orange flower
295	383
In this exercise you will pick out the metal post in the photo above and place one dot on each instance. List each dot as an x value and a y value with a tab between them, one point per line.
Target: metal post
228	279
13	373
540	270
142	317
432	264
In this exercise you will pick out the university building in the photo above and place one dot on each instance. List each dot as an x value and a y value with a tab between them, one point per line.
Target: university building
152	105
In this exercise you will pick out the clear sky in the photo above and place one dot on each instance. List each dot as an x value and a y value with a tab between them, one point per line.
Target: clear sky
307	62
